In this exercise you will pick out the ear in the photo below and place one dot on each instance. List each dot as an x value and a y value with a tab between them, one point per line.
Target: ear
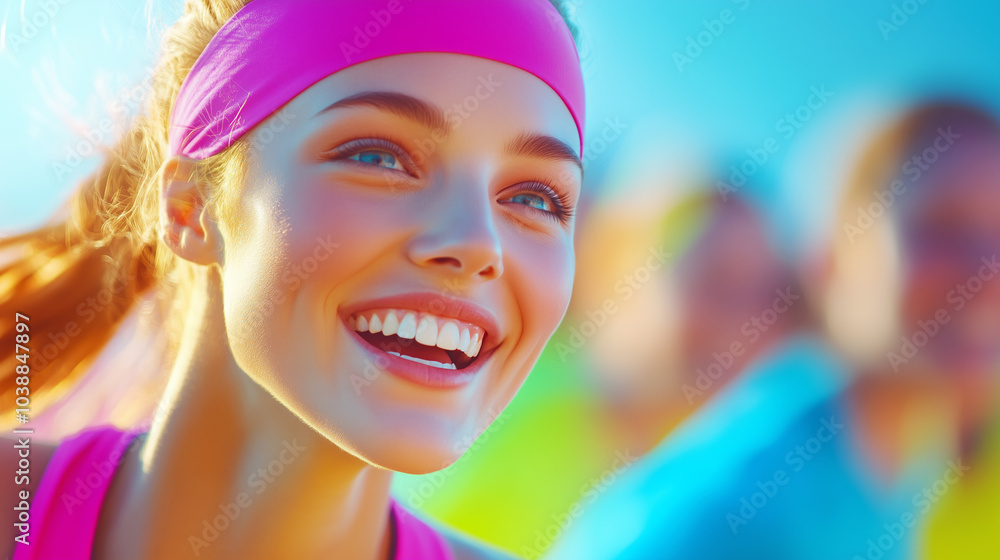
187	225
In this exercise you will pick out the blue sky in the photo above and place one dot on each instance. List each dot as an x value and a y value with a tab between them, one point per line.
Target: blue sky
757	62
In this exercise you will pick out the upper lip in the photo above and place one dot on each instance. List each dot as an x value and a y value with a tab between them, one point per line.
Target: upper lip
438	305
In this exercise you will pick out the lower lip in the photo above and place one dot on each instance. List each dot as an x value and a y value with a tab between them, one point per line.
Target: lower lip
417	373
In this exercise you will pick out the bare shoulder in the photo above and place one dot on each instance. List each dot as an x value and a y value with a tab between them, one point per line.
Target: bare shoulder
17	479
465	547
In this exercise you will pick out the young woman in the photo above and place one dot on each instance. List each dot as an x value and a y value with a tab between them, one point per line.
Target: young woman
361	213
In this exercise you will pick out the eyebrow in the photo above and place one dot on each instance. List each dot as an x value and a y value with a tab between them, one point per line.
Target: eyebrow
430	116
400	104
542	146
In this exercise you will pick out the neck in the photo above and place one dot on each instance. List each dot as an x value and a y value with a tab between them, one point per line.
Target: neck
228	472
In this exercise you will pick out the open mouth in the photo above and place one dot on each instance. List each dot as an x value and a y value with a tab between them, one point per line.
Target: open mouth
421	337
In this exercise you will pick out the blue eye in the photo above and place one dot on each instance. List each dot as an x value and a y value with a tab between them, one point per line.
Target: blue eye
374	153
542	198
533	200
378	158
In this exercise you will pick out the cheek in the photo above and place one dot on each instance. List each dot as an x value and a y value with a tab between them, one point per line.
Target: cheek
541	275
295	247
349	231
258	279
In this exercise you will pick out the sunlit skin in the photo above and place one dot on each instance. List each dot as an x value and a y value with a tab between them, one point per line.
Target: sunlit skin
456	220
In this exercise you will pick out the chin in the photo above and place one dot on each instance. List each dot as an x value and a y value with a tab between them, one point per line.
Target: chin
397	437
420	461
410	453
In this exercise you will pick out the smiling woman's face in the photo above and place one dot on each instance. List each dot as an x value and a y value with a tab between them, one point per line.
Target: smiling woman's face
426	200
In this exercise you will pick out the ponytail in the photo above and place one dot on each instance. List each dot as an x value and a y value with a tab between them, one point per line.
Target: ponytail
75	278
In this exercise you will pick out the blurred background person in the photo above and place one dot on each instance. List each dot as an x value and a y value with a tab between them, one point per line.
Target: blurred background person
928	394
795	461
744	333
680	346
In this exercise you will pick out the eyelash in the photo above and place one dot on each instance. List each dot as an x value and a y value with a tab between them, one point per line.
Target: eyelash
562	213
355	147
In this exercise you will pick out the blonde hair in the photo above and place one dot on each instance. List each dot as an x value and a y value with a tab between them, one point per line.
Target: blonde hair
78	276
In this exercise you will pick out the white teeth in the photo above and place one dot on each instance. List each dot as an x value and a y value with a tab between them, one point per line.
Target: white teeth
391	324
464	340
473	350
427	362
427	331
408	326
447	338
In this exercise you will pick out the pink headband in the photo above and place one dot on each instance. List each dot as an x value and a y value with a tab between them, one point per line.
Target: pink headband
273	50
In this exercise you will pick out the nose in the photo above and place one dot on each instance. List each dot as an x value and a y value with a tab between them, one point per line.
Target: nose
459	235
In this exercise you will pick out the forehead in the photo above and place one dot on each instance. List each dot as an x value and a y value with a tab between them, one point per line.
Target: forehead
465	88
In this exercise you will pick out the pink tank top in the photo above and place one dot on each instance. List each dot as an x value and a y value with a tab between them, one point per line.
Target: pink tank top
67	503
